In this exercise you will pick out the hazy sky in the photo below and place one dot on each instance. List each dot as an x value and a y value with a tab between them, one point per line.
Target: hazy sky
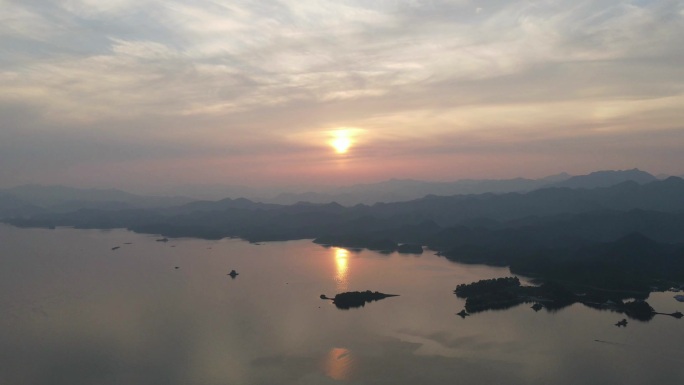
146	93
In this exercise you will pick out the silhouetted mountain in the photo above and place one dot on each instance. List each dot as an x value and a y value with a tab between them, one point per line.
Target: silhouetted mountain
64	199
70	206
557	177
474	211
398	190
8	201
631	228
632	262
223	204
11	206
606	178
213	192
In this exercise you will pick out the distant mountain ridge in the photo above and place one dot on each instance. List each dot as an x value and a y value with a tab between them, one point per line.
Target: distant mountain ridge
398	190
262	222
31	199
11	206
606	179
64	199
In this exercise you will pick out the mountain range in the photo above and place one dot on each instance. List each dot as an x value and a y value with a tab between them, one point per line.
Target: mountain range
29	199
547	232
397	190
36	198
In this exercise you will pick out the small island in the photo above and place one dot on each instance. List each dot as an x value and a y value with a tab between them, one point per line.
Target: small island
505	293
356	299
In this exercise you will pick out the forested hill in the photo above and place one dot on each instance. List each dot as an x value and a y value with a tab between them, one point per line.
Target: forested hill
522	230
655	202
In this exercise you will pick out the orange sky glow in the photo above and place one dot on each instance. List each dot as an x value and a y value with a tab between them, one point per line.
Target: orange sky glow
335	93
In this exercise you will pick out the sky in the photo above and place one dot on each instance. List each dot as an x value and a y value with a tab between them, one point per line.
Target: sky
149	94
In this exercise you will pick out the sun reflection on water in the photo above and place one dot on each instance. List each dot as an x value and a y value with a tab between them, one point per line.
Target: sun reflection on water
341	269
339	364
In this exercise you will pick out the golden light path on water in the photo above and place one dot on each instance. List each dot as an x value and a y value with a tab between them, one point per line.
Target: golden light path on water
339	364
341	268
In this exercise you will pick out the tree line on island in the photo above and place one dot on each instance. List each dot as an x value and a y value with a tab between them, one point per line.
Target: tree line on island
507	292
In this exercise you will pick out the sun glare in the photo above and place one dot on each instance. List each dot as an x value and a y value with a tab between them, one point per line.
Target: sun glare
341	141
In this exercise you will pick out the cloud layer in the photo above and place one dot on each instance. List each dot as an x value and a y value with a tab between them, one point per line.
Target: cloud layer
209	90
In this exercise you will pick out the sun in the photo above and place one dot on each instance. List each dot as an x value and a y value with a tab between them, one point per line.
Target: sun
341	141
341	144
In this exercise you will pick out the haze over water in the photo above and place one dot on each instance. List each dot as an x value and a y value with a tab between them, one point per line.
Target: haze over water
77	312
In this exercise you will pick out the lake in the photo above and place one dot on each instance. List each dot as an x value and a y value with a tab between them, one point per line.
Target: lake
74	311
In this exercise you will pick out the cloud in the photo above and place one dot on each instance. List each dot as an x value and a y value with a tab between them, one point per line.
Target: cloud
225	71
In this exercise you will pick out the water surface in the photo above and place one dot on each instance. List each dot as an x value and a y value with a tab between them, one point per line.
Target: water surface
77	312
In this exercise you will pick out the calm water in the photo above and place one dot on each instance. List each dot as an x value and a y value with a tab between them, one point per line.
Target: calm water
76	312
